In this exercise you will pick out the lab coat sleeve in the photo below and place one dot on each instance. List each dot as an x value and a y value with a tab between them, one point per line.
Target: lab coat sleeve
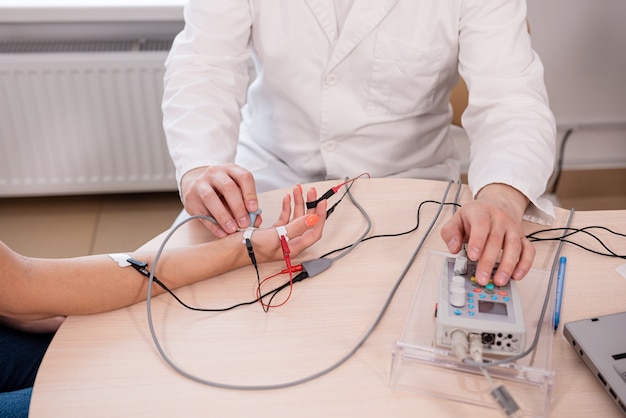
509	123
205	84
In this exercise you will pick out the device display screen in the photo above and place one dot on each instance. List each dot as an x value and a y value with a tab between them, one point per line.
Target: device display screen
495	308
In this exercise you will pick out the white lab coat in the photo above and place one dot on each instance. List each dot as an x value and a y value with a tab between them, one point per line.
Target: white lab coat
373	98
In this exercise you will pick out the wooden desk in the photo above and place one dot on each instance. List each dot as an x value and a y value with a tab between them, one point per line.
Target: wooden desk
107	364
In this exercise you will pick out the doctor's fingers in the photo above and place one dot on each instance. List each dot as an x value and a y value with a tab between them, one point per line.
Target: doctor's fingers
516	259
484	230
204	200
526	259
246	184
506	241
220	190
453	234
195	207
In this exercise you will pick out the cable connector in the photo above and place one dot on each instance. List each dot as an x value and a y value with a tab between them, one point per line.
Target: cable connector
250	251
284	246
301	276
459	344
253	216
140	266
315	267
247	240
294	269
460	265
506	402
327	195
476	347
330	192
282	235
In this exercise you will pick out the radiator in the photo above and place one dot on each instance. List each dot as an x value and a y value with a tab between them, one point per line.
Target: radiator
82	117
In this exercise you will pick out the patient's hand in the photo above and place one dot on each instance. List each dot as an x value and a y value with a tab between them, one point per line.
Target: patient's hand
304	227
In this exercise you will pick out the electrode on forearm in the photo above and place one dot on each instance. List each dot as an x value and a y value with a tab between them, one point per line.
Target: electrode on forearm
121	259
247	240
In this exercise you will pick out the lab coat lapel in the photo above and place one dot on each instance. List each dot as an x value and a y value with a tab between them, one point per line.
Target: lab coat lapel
324	12
362	19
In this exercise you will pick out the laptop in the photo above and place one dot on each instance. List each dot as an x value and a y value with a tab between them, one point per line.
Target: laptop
601	343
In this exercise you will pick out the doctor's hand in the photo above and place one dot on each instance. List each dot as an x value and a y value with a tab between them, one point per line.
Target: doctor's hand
225	192
490	223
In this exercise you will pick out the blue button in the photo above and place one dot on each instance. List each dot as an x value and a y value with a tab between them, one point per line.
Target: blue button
457	312
494	297
506	299
470	306
471	313
482	296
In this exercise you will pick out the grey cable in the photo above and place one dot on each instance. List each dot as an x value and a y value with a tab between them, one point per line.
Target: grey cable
305	379
363	235
456	196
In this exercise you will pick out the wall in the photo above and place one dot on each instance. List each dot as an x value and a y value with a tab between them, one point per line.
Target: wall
583	46
89	10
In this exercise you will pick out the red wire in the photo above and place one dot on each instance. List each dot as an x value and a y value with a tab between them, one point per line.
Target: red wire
290	269
332	191
339	186
295	269
286	252
268	306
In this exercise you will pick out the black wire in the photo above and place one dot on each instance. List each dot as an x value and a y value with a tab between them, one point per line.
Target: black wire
559	166
532	237
569	232
296	279
331	209
419	208
302	275
372	237
273	292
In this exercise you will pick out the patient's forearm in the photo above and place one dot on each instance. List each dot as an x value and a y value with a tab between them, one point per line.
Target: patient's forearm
32	288
35	288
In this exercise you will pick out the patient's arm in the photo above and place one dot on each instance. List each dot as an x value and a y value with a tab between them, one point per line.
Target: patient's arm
36	288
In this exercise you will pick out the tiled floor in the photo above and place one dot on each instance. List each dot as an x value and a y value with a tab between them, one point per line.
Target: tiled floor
69	226
72	226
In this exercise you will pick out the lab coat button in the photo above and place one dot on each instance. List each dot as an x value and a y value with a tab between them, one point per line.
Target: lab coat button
329	146
332	79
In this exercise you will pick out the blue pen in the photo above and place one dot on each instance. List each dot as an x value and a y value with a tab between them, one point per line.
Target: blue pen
559	291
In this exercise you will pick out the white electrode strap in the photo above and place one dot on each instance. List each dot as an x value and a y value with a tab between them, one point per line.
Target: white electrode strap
247	234
121	259
282	232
